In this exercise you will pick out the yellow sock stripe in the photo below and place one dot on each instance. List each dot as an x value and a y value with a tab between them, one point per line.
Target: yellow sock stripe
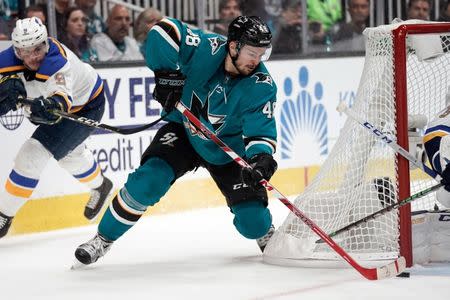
17	190
92	176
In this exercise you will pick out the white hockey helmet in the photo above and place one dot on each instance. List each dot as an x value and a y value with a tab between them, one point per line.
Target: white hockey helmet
28	33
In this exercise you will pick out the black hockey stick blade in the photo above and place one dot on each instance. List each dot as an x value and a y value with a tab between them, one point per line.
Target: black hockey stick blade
92	123
383	211
96	124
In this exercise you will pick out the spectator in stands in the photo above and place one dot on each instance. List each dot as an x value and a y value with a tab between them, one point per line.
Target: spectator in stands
445	12
268	10
8	12
8	9
419	9
115	44
36	11
60	8
228	11
288	32
5	30
95	22
144	22
322	16
349	35
75	36
258	8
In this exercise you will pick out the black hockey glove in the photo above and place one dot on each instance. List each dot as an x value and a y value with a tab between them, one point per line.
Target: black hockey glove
41	111
263	166
11	88
169	87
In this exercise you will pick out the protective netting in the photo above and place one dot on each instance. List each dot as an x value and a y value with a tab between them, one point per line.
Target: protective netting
360	174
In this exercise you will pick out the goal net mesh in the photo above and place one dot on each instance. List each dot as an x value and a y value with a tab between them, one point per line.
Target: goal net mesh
360	175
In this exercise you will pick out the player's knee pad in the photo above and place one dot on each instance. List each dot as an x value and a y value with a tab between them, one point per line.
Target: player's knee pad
252	219
443	196
148	183
31	159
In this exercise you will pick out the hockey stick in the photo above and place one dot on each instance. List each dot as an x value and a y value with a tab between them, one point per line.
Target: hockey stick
92	123
396	147
389	270
384	210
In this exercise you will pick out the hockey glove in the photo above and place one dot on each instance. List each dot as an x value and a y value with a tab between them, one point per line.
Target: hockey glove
41	111
11	88
263	166
169	87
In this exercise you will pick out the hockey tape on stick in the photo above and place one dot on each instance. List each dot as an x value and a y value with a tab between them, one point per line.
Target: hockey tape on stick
384	210
390	270
387	140
92	123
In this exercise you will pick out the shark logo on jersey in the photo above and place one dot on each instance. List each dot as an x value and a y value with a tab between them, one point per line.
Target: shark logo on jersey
216	43
263	78
200	110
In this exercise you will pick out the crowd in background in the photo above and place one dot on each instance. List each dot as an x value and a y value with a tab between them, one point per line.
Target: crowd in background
88	35
333	25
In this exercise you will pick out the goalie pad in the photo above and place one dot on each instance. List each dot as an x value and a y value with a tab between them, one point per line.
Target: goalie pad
443	197
431	237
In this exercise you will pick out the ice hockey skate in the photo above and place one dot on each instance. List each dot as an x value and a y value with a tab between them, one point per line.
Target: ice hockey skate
91	251
5	223
262	242
99	198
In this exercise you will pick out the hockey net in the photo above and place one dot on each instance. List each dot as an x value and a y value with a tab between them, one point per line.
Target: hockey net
361	174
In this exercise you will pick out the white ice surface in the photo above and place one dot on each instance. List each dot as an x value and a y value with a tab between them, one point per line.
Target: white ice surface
194	255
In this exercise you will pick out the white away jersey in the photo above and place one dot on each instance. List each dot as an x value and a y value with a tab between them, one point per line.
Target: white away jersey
61	72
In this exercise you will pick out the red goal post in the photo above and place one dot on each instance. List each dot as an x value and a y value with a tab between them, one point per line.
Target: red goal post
400	35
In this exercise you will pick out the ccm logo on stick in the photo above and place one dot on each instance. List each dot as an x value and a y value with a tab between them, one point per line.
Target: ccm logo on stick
377	132
89	121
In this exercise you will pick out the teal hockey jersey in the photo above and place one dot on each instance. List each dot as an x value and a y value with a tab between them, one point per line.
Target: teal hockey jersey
240	110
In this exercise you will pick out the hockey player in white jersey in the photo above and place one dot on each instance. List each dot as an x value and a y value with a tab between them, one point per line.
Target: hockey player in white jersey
40	68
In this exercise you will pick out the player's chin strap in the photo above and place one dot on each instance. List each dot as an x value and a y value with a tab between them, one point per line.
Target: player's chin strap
93	123
392	269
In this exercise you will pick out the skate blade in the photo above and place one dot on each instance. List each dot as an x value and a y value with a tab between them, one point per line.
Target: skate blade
77	265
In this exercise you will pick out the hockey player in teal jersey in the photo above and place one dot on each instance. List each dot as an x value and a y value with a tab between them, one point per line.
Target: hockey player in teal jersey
225	84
